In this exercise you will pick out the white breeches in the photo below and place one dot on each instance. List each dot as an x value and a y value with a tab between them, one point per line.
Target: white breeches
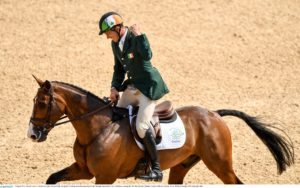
132	96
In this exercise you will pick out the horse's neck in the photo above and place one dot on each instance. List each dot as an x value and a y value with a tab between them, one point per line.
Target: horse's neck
79	104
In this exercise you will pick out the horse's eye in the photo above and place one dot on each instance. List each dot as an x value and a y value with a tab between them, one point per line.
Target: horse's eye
42	104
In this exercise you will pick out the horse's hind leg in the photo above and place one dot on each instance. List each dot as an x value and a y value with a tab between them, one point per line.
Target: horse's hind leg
216	152
227	175
73	172
177	173
221	166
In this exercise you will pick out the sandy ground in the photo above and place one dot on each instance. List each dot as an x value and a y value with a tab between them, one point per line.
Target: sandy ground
236	54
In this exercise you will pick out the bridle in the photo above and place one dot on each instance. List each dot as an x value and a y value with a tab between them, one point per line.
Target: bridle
48	124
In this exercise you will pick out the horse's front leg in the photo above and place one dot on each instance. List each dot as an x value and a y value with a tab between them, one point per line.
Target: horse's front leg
73	172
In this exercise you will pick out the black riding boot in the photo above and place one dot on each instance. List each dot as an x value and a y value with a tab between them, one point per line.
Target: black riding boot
150	147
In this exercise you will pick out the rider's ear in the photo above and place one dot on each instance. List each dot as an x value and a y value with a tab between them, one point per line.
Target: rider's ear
39	81
47	85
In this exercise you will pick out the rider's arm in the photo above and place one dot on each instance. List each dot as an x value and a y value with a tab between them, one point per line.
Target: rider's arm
143	47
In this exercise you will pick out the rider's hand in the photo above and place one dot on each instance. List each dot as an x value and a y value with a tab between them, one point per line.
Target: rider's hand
135	29
114	95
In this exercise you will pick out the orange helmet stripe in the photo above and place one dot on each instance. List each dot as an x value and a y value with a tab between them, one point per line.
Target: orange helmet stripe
118	19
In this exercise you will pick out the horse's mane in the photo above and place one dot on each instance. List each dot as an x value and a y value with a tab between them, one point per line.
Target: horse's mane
80	89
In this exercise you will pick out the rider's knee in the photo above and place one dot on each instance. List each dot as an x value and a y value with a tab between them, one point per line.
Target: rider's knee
141	129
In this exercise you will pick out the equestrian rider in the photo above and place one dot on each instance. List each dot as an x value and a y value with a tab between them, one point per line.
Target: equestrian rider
144	84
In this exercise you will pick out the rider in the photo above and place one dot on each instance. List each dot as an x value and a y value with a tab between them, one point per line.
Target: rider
144	84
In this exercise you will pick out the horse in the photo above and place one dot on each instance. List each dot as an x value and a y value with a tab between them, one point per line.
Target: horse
106	149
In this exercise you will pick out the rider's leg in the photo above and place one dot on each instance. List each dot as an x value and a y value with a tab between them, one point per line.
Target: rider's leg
144	117
129	97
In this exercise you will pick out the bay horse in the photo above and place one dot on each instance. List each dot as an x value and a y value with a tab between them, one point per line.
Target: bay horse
107	151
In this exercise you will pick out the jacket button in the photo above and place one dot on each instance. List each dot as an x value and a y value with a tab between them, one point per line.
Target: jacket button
122	58
130	77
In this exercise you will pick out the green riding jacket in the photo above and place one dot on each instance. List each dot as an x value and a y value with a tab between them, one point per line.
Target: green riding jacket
135	62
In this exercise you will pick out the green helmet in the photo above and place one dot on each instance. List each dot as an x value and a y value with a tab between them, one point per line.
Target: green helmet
108	21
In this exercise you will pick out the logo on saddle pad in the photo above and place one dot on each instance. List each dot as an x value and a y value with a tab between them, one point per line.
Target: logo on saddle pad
175	134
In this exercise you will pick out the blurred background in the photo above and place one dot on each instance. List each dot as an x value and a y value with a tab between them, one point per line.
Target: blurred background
237	54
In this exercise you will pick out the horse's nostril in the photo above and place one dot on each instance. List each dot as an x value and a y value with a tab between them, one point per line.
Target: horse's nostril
33	137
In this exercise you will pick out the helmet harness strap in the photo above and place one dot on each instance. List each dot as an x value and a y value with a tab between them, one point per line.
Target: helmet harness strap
118	32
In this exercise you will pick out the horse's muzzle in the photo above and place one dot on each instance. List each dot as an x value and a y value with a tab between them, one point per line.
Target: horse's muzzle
35	134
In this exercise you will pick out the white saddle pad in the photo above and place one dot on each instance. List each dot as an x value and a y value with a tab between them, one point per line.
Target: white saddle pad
173	134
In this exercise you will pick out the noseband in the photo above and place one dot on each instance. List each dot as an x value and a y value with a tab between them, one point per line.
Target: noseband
48	124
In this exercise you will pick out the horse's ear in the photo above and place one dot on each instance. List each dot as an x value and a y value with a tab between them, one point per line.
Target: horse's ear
47	85
39	81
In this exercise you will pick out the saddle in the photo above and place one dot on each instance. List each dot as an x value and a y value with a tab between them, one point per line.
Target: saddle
164	113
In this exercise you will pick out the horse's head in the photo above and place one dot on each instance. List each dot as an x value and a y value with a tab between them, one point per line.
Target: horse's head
46	112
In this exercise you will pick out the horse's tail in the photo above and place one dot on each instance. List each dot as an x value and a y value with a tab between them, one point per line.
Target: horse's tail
281	148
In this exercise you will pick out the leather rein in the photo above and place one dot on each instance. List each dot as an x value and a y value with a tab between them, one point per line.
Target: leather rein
49	124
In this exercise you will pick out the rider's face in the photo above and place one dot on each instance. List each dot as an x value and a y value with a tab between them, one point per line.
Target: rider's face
112	35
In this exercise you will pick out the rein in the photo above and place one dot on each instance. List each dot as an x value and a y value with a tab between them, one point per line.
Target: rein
49	125
82	116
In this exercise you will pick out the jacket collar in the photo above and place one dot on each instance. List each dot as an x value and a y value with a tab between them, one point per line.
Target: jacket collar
122	40
127	42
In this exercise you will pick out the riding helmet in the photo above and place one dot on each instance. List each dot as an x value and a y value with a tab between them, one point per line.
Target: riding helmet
108	21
